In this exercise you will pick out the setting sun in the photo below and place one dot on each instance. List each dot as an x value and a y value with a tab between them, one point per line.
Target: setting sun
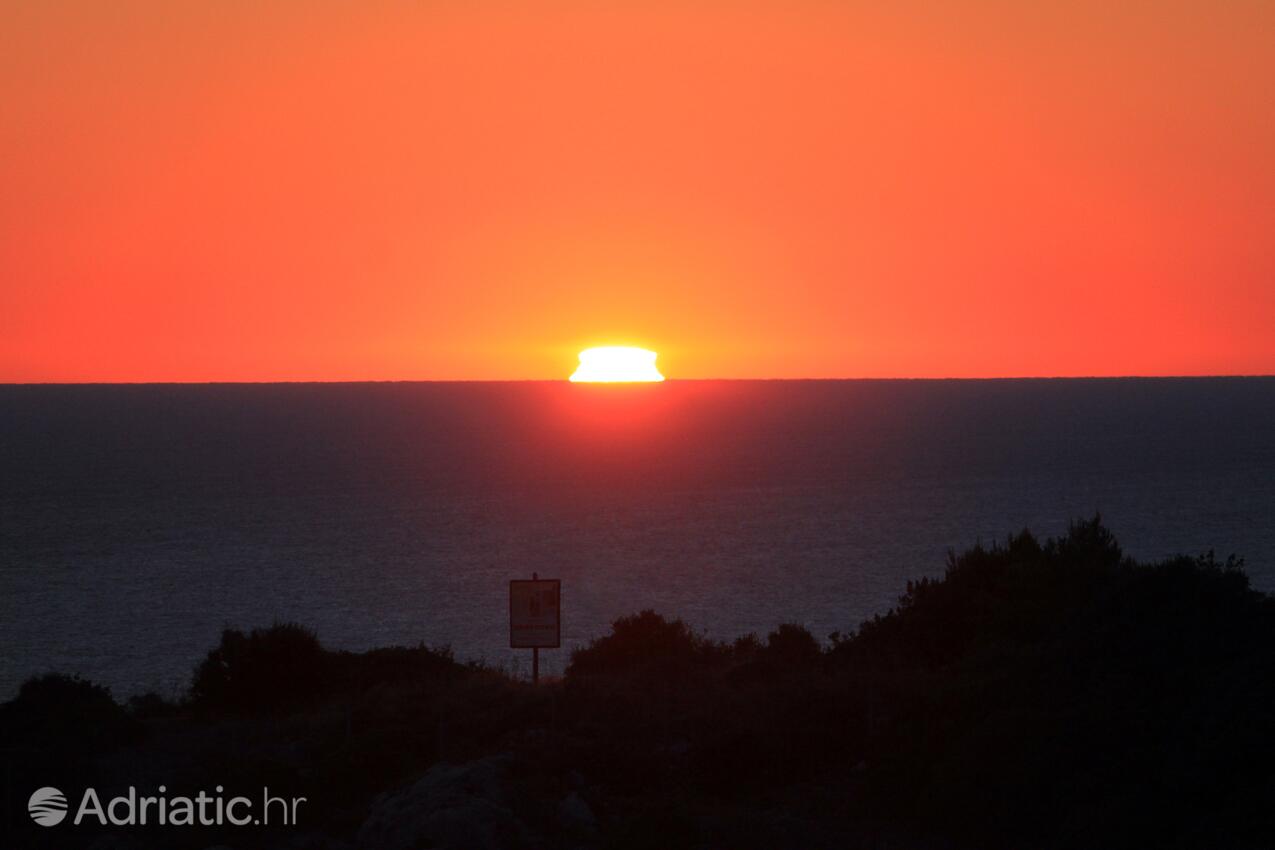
615	364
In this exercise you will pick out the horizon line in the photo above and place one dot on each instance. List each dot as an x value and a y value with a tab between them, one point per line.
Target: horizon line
143	383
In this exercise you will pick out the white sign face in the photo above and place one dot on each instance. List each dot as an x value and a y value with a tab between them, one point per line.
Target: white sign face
535	613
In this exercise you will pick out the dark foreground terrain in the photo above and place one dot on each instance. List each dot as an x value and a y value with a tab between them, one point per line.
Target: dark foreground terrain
1049	694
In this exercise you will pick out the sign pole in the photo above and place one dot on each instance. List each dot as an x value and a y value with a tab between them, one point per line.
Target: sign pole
535	652
535	617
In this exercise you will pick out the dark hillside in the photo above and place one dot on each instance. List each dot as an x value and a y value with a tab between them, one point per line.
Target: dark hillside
1051	694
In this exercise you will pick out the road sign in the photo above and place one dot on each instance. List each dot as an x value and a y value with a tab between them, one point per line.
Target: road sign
535	613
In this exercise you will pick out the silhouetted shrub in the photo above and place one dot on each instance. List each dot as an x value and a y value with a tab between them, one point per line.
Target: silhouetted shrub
747	646
65	714
1036	691
150	705
273	668
644	643
1007	594
285	667
399	665
792	644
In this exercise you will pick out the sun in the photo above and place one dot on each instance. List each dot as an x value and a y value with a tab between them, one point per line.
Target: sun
616	364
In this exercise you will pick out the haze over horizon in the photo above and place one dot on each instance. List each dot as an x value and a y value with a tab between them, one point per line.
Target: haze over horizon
221	192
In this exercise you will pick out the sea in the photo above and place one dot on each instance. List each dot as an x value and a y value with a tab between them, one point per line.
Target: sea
139	521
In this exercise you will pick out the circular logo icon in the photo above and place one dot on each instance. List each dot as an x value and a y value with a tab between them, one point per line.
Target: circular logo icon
47	807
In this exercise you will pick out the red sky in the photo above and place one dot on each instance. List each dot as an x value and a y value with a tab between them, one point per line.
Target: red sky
330	191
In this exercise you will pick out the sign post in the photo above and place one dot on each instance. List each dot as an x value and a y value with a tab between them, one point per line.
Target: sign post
535	617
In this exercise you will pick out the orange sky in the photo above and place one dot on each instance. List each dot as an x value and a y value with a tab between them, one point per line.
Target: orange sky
330	191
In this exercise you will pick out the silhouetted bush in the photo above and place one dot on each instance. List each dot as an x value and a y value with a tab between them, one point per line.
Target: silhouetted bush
398	665
274	668
1063	693
644	643
793	645
285	667
150	705
65	714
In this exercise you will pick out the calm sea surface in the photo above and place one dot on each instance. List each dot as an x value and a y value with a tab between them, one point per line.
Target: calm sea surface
138	521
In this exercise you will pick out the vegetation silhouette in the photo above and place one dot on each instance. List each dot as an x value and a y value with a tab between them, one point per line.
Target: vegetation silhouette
285	667
1039	694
